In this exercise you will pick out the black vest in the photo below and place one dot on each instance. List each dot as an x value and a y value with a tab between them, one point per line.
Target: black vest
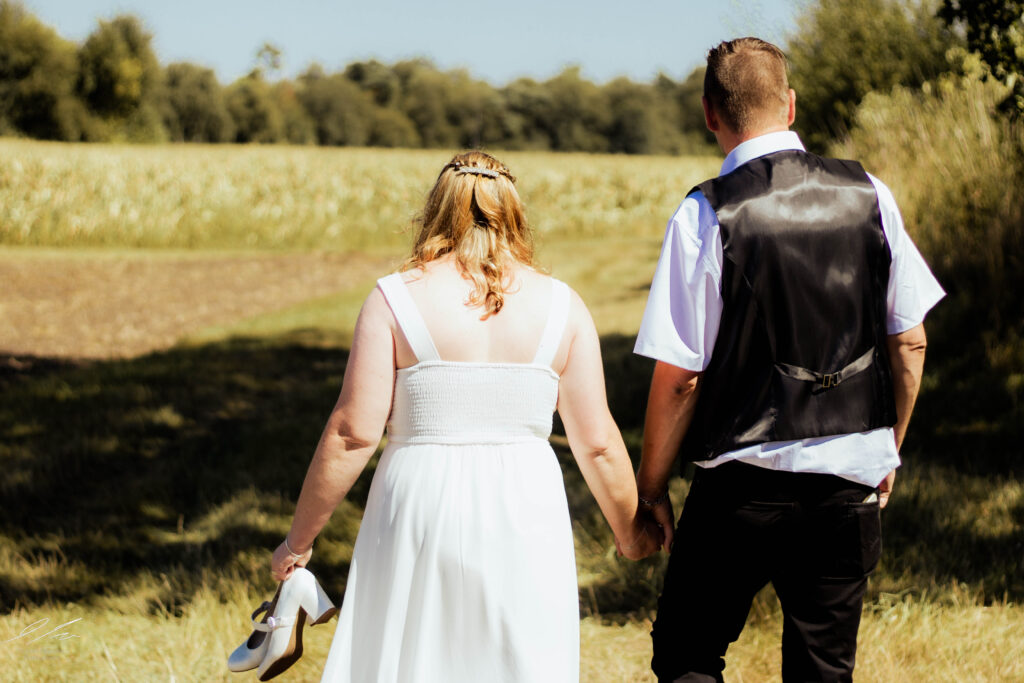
801	349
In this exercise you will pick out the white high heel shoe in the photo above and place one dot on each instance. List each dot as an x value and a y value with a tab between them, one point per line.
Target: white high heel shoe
250	653
300	597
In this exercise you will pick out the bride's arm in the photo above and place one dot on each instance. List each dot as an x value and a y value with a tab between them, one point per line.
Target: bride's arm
352	433
595	439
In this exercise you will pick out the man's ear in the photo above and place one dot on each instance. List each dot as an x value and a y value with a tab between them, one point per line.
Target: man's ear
710	117
791	116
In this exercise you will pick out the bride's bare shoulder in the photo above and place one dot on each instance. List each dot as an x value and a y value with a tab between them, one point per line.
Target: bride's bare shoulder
375	306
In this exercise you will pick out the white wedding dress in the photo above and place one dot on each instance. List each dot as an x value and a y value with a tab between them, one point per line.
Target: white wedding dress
464	568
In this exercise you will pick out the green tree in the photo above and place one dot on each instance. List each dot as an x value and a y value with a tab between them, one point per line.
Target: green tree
341	113
425	97
255	111
634	126
578	113
195	107
528	104
646	118
119	71
844	49
268	60
296	123
379	80
995	30
37	79
392	128
687	95
476	110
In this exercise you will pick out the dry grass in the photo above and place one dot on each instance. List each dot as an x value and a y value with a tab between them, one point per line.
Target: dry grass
301	197
119	444
901	639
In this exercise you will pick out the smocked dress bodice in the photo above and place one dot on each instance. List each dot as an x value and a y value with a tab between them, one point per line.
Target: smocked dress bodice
448	402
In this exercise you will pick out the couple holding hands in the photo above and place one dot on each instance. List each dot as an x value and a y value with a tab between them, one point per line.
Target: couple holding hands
785	315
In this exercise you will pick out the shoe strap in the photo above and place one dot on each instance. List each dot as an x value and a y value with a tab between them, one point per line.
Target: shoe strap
259	610
272	623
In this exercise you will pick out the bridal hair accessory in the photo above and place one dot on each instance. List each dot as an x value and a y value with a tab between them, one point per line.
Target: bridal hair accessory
460	167
476	170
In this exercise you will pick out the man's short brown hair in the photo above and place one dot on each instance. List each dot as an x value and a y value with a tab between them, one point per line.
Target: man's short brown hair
746	83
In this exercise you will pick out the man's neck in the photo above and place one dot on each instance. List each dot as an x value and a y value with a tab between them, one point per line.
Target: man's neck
728	140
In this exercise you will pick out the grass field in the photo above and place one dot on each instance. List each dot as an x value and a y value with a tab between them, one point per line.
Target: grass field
303	198
142	491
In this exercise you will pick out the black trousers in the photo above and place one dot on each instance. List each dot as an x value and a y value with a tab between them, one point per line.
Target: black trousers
742	526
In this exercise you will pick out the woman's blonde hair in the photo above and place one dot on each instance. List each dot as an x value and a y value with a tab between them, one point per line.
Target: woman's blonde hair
474	212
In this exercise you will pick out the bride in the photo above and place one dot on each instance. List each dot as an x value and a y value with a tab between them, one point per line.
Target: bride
463	569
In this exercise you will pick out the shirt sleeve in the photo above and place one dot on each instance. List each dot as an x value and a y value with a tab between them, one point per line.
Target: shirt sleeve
913	290
684	306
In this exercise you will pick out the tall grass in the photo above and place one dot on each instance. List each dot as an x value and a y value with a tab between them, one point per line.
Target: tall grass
901	639
956	167
143	495
300	197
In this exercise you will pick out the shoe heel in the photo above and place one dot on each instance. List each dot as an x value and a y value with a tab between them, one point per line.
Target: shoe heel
323	609
302	599
292	652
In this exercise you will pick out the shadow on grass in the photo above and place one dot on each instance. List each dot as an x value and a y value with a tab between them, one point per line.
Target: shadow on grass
186	464
182	458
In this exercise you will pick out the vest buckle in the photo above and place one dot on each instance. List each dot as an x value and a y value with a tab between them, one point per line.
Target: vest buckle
830	380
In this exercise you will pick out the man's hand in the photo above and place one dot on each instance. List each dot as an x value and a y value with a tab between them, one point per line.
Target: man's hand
663	516
670	406
885	489
647	539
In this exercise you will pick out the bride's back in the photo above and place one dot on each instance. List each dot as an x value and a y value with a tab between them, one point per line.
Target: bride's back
441	293
470	274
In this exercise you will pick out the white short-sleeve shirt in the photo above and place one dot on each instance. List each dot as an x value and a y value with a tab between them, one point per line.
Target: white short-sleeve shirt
684	310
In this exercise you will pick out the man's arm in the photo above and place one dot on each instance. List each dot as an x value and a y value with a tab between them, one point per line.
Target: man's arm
670	407
906	359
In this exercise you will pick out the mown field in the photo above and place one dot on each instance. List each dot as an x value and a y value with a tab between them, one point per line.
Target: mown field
147	469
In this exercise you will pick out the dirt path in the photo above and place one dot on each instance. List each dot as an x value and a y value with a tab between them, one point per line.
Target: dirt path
120	305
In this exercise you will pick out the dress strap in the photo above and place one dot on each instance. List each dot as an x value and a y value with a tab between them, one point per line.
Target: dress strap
558	315
408	317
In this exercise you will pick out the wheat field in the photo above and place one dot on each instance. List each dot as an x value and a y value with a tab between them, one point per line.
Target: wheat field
248	197
131	549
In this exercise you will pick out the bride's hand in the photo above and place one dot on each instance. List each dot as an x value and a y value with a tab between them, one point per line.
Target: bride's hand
646	539
283	562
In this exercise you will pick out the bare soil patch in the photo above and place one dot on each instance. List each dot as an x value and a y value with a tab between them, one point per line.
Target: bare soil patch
121	305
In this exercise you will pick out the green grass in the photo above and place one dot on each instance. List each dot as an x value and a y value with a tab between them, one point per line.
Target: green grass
144	495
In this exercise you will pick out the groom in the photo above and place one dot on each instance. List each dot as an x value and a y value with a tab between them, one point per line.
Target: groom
786	316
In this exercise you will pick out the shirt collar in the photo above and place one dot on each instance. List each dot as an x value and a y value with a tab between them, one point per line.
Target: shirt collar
758	147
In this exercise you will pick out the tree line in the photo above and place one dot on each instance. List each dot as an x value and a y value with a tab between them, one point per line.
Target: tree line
112	87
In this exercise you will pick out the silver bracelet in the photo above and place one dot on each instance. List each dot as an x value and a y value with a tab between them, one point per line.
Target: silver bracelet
653	503
643	532
292	552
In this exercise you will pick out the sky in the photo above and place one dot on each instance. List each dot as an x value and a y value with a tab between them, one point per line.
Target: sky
495	41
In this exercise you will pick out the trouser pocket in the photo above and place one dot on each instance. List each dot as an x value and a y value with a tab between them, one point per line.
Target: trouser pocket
853	539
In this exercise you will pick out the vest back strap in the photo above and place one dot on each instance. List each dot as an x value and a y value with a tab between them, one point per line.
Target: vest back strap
828	379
